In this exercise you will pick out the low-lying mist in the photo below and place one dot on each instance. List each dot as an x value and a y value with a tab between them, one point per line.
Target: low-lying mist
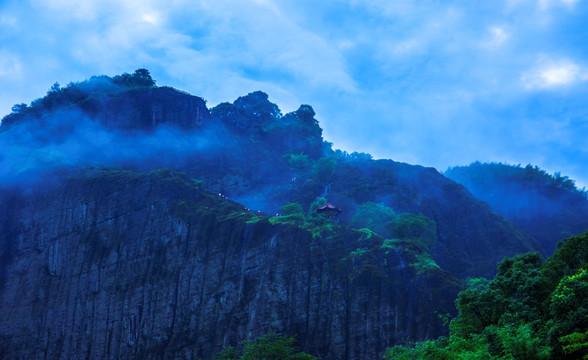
32	150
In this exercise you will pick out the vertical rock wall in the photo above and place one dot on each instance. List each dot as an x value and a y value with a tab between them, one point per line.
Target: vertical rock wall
126	266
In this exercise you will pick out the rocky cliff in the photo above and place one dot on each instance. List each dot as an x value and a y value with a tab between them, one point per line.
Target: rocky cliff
146	108
116	264
146	263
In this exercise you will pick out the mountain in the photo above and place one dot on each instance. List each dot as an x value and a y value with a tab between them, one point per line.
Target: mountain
117	264
110	248
546	207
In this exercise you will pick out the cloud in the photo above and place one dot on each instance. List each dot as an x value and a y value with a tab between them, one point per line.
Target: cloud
498	36
548	4
372	70
10	65
7	21
555	74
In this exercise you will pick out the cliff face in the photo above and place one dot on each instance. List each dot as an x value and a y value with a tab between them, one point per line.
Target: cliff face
119	264
147	108
116	265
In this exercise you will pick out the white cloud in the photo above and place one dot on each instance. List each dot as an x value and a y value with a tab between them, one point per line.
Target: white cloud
341	57
7	20
498	36
569	3
152	18
547	4
555	74
272	41
10	65
406	47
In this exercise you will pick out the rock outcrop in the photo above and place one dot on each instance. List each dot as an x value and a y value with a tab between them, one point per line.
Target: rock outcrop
147	108
122	265
115	264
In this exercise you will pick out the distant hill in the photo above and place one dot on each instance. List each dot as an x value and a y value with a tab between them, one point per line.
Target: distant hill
546	207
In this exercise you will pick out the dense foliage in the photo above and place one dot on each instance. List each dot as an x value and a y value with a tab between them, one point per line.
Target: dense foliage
530	310
547	207
269	347
487	173
74	93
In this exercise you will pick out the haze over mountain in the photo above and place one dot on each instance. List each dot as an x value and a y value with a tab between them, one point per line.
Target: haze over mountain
106	254
436	83
139	221
546	207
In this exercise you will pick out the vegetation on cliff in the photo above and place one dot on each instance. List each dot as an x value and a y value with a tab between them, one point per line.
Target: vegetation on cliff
250	152
268	347
530	310
547	207
75	93
390	259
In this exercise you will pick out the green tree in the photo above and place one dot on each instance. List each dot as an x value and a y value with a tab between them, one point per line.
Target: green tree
415	227
271	346
569	307
291	213
317	203
376	217
324	170
292	209
142	77
576	344
228	353
529	311
299	163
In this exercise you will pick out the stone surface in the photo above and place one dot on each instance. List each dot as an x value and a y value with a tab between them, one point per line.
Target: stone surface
147	108
118	265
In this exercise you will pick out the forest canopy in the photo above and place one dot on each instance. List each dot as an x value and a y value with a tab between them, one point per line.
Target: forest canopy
530	310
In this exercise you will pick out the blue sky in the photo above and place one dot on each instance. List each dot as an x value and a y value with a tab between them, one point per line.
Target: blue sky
435	83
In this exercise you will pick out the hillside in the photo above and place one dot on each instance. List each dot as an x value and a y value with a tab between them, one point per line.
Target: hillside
105	254
115	264
546	207
530	310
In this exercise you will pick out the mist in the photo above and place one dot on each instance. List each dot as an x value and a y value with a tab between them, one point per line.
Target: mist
34	150
547	207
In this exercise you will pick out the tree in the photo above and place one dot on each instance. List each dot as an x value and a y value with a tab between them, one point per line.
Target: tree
143	77
298	162
228	353
376	217
569	311
530	310
576	343
292	209
306	114
54	88
140	78
19	108
271	346
324	169
415	227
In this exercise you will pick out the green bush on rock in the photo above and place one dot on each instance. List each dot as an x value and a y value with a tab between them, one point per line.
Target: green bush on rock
269	347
